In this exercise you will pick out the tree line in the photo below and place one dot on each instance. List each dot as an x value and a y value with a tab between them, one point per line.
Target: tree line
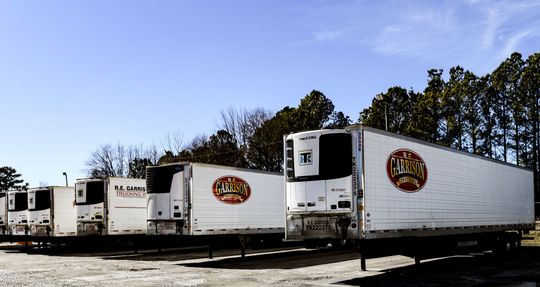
247	138
10	179
495	115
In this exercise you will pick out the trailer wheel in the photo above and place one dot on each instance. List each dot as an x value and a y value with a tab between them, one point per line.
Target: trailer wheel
338	244
515	242
507	243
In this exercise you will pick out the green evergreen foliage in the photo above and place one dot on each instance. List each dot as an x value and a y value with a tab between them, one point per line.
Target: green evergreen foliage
313	112
394	107
137	167
426	114
10	179
261	147
338	120
496	115
266	146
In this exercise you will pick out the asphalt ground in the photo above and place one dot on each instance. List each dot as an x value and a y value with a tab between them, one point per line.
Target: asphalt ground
277	266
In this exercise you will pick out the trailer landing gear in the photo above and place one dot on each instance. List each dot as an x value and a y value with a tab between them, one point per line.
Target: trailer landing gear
243	244
210	249
362	252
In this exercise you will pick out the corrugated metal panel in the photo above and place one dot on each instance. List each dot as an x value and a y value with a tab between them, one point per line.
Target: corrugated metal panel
263	209
461	190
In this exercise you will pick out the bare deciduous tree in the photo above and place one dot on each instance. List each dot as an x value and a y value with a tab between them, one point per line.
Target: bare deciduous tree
121	161
173	142
242	123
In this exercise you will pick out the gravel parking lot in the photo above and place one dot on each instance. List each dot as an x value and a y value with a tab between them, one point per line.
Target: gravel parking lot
270	267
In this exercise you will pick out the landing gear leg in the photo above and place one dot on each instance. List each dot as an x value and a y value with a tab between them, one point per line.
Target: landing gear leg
243	244
210	249
362	252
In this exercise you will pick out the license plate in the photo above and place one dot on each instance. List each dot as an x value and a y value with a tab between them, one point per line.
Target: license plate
166	226
318	225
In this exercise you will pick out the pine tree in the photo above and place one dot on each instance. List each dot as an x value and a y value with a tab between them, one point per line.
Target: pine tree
10	179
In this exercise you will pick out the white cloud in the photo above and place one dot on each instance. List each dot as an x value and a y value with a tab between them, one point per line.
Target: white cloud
513	42
479	33
328	35
491	25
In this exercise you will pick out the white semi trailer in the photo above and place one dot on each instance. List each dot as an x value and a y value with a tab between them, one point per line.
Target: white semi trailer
3	213
372	187
194	199
17	212
110	206
51	211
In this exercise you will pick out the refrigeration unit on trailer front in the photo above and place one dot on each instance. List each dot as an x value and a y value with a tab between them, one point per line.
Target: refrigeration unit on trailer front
202	199
3	213
363	184
51	211
110	206
17	212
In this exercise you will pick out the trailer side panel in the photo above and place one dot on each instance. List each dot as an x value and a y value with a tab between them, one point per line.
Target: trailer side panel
235	201
415	187
126	206
64	215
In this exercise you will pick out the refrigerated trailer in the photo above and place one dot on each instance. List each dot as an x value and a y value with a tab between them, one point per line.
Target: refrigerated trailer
17	212
195	199
3	213
110	206
372	187
51	211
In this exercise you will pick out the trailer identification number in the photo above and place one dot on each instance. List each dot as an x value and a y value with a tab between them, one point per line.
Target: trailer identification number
406	170
166	226
317	225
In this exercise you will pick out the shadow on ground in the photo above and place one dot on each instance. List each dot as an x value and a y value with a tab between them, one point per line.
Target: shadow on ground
285	260
477	270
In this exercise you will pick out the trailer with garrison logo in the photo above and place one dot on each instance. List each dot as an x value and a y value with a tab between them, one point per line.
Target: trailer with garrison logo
211	201
373	189
110	206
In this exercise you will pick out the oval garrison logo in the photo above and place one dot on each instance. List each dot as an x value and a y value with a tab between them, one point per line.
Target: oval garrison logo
406	170
231	189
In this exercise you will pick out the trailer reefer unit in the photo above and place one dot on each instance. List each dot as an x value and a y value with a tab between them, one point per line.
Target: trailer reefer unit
363	184
3	213
51	211
17	212
202	199
111	206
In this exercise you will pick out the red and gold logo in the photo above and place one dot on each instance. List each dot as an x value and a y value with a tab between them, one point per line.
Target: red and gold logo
231	189
406	170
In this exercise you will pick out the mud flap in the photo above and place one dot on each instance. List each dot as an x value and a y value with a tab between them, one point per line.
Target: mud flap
342	225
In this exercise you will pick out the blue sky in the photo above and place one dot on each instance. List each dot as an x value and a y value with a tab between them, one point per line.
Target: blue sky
78	74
